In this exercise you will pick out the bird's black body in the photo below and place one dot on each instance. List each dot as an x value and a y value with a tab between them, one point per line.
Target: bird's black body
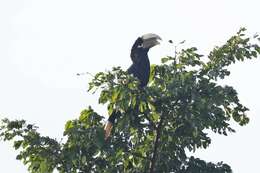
140	68
141	64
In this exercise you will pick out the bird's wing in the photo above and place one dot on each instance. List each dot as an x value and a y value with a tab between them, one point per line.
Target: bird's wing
135	50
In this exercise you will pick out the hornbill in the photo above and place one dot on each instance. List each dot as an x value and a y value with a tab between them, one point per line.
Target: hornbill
140	68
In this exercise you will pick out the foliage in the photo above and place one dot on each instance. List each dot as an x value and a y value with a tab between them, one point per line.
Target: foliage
159	123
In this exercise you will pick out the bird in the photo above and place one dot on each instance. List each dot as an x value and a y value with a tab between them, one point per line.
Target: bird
140	68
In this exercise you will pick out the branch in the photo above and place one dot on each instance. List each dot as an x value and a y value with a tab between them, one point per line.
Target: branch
157	140
156	145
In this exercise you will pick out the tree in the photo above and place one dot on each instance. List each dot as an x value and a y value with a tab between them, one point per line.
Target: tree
159	124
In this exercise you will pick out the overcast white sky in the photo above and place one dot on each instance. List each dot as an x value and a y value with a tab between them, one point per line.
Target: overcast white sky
43	44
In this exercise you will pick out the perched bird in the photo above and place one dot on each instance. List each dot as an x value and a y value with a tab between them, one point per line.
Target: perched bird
140	68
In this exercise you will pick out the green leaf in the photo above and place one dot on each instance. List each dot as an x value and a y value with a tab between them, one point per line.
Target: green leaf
104	97
257	49
151	106
84	115
254	53
133	101
84	159
152	73
155	117
110	108
44	167
68	125
115	95
142	106
19	157
165	59
17	144
182	42
100	137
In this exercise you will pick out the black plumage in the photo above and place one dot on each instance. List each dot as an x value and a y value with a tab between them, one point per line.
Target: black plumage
141	64
140	68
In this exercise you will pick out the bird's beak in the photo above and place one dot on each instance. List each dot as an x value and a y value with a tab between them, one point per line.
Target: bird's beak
150	40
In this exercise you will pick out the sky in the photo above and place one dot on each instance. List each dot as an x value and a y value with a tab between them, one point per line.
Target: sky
44	44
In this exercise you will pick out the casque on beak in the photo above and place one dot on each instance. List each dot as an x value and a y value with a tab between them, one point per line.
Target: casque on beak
150	40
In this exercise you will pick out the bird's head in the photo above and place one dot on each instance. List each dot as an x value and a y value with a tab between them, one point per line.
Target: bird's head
150	40
142	45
